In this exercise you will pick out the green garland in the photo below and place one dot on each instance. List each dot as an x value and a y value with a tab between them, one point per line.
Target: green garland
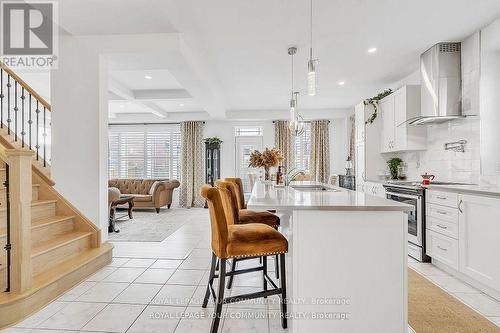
374	101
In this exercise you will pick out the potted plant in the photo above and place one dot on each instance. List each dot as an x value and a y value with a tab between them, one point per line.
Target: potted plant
266	159
213	141
393	165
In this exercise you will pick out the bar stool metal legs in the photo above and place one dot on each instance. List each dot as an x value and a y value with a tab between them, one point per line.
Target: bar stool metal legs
233	268
219	296
213	267
284	313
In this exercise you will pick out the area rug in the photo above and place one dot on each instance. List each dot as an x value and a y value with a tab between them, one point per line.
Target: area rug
432	310
148	226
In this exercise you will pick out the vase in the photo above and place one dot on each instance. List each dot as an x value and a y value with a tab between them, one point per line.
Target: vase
267	175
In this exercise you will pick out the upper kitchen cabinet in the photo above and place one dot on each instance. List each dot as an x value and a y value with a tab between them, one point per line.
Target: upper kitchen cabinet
490	99
369	161
397	135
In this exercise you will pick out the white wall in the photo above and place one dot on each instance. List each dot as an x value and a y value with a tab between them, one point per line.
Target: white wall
80	116
79	129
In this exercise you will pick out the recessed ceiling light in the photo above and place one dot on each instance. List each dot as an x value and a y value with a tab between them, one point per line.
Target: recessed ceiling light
148	77
122	106
372	50
341	83
182	104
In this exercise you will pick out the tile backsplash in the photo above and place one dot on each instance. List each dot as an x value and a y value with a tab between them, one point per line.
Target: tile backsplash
448	165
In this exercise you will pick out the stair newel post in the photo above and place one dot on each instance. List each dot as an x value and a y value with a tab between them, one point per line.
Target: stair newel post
20	195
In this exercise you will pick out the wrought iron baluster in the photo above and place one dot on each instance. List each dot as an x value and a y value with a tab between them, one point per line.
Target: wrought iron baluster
29	123
23	97
44	137
37	146
8	104
8	245
1	97
15	110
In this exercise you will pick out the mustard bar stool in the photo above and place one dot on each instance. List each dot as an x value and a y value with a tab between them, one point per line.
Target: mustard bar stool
243	215
231	241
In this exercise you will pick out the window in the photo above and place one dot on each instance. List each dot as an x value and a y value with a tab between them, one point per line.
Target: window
302	149
248	131
144	151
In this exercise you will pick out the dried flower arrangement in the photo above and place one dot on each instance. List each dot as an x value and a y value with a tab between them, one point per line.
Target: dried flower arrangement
267	159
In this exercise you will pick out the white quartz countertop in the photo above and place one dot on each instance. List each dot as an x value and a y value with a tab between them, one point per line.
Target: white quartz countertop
300	197
473	189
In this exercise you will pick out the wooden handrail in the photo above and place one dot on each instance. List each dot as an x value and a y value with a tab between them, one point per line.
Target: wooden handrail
26	86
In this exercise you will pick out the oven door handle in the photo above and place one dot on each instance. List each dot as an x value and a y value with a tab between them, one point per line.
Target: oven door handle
408	196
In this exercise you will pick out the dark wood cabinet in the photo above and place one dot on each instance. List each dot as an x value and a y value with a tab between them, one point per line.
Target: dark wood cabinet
212	163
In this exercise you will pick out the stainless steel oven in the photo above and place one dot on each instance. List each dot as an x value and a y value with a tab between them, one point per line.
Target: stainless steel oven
413	195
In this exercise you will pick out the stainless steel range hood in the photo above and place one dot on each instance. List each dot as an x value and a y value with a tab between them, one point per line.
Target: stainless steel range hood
441	85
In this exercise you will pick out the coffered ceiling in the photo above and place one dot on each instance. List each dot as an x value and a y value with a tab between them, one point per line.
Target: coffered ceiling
237	48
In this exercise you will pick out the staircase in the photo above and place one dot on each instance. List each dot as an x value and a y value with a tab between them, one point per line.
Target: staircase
54	246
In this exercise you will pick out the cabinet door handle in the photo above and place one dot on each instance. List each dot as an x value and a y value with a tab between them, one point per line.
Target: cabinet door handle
460	206
441	226
441	198
441	212
442	248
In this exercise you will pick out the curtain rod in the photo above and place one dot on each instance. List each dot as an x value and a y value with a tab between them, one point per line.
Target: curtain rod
124	124
306	121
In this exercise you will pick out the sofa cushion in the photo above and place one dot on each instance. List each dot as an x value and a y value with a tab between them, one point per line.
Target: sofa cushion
140	197
132	186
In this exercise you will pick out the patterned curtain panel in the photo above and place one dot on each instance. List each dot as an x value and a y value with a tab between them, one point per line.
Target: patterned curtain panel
352	140
320	150
283	141
192	170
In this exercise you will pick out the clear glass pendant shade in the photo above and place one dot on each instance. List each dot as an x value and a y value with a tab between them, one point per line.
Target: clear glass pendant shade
311	78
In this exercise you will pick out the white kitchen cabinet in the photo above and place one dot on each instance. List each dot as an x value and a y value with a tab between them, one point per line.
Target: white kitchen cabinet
359	118
369	161
386	109
395	109
442	248
479	239
360	165
376	189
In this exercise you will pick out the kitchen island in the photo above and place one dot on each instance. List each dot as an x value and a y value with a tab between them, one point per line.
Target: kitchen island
347	260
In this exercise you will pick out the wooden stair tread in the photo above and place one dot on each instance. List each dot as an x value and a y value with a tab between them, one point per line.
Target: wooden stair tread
57	272
3	187
58	241
42	202
49	220
38	223
36	203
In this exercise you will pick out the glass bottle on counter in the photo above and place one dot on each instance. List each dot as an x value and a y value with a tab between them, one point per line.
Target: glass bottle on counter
279	176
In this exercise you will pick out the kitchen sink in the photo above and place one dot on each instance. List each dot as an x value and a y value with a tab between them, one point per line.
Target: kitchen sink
313	188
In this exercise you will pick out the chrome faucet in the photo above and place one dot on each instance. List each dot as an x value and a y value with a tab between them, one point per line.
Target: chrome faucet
292	174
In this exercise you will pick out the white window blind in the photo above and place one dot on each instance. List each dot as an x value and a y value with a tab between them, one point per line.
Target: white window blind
144	151
302	147
248	131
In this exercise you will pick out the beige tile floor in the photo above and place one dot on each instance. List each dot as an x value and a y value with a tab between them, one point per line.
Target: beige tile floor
159	286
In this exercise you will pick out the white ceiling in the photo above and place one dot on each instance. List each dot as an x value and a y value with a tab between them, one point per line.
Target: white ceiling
239	47
104	17
136	79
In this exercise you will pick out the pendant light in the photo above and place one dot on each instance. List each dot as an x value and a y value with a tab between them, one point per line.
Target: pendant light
296	124
311	64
